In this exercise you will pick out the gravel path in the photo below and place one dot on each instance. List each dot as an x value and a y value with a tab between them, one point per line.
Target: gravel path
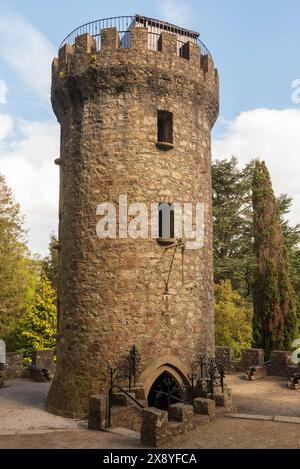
268	396
22	409
24	423
223	433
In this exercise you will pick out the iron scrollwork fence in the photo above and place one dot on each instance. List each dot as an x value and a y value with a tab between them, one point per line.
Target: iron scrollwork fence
113	375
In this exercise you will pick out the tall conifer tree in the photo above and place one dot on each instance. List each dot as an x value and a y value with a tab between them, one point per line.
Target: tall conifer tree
275	311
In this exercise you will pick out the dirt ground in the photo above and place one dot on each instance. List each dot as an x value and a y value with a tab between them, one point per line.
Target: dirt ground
22	409
268	396
25	424
224	433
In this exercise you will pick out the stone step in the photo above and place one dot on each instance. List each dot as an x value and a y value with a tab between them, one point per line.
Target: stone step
120	399
125	432
139	392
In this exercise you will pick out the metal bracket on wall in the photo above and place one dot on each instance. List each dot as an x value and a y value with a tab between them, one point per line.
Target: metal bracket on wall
175	246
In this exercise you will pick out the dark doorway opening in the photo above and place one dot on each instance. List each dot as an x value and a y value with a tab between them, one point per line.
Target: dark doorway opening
164	392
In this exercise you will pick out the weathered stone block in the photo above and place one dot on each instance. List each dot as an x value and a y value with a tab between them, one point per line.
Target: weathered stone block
85	44
98	412
13	368
252	357
257	372
279	363
167	43
154	430
222	400
65	54
207	65
225	355
121	399
181	413
110	39
43	359
139	38
139	393
191	52
204	406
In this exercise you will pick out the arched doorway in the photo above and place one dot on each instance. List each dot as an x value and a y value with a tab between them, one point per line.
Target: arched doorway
164	391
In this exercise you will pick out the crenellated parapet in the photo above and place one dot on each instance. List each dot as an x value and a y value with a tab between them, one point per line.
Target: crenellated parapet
137	55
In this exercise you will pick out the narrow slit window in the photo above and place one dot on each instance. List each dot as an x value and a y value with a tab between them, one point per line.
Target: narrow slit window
165	127
166	228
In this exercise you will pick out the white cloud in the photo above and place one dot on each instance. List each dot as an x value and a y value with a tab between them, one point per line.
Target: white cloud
26	50
27	163
6	124
175	11
270	135
2	92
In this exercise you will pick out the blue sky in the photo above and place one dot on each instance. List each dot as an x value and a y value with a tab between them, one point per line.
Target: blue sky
255	45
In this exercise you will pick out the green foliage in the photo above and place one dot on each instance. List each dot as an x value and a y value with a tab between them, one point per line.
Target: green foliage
233	318
37	329
292	239
26	361
275	308
234	256
17	270
50	263
232	218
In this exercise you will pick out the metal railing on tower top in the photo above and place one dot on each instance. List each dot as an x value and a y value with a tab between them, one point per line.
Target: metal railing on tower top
124	25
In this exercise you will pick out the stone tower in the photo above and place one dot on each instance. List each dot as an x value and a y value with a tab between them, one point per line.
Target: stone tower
136	105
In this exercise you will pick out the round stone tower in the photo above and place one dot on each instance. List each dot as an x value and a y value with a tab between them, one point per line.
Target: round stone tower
136	108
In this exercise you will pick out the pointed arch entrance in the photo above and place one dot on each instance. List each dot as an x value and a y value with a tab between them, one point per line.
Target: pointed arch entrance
167	365
164	391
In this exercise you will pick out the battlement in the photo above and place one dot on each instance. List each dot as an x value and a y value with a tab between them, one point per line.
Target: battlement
138	39
135	33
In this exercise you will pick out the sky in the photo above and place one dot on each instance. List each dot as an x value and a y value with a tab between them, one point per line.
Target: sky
255	46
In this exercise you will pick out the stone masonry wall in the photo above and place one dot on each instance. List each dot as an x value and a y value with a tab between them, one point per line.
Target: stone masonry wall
252	357
225	355
13	367
43	359
111	291
281	364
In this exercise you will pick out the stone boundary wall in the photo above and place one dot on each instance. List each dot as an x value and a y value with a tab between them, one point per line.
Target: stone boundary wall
226	356
13	367
281	364
43	359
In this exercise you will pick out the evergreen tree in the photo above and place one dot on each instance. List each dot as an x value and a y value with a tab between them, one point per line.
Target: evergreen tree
275	311
232	218
234	257
37	329
292	238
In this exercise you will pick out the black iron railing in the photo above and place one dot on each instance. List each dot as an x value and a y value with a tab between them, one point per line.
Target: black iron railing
124	25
